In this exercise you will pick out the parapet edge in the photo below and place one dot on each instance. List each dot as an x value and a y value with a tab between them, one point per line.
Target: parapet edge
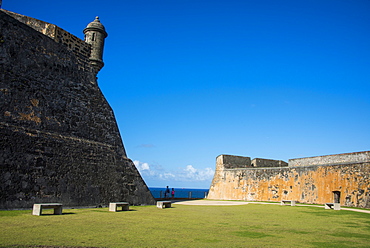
240	162
343	158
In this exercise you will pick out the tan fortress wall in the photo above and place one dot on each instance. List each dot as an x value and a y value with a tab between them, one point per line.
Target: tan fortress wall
344	158
316	184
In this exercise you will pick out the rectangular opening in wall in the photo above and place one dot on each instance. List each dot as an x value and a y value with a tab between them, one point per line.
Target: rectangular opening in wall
336	196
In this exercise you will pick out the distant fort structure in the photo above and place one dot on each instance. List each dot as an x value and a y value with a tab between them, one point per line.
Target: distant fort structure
341	178
59	140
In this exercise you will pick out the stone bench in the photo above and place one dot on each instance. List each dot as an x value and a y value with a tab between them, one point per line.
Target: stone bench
38	207
163	204
292	203
114	205
335	206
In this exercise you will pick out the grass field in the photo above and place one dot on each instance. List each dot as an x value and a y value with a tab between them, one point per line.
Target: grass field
251	225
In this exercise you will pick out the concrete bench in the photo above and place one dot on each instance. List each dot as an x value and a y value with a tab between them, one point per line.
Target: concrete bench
335	206
38	207
163	204
114	205
292	203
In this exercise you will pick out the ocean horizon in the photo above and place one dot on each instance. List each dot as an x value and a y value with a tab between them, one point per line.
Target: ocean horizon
158	192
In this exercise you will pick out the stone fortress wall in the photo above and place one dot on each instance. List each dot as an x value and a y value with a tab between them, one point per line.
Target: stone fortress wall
59	138
80	48
345	158
343	178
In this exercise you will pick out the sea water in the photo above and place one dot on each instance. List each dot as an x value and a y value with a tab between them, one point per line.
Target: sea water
179	192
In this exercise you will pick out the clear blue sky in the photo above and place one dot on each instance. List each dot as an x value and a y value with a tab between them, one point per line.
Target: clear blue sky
189	80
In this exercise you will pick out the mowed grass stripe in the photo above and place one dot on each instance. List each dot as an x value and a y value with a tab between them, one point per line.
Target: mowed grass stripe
250	225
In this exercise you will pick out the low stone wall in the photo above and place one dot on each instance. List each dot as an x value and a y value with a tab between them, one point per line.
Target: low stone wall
229	161
260	162
45	28
344	158
305	184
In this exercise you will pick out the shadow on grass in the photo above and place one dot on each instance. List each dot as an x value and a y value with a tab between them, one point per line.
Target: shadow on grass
119	211
51	214
112	212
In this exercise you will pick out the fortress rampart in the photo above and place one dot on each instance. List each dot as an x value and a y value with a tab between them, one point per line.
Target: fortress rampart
343	178
59	137
345	158
80	48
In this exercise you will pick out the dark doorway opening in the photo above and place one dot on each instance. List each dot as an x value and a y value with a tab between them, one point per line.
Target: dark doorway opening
336	196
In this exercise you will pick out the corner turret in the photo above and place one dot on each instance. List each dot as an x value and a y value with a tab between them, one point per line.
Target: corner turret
94	35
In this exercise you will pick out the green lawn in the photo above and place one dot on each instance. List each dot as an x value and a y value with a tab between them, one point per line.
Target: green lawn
251	225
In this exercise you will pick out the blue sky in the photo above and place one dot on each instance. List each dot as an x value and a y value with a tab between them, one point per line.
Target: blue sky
189	80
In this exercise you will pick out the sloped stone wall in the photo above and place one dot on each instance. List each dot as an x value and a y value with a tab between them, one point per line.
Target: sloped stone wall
80	48
59	138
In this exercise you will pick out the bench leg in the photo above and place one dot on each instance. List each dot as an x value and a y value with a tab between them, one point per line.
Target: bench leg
37	209
58	210
112	207
336	206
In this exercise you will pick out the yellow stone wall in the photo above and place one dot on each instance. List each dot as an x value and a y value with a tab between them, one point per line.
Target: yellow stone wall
305	184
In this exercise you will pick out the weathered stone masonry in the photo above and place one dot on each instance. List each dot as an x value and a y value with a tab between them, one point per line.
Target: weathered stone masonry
343	177
78	47
59	141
